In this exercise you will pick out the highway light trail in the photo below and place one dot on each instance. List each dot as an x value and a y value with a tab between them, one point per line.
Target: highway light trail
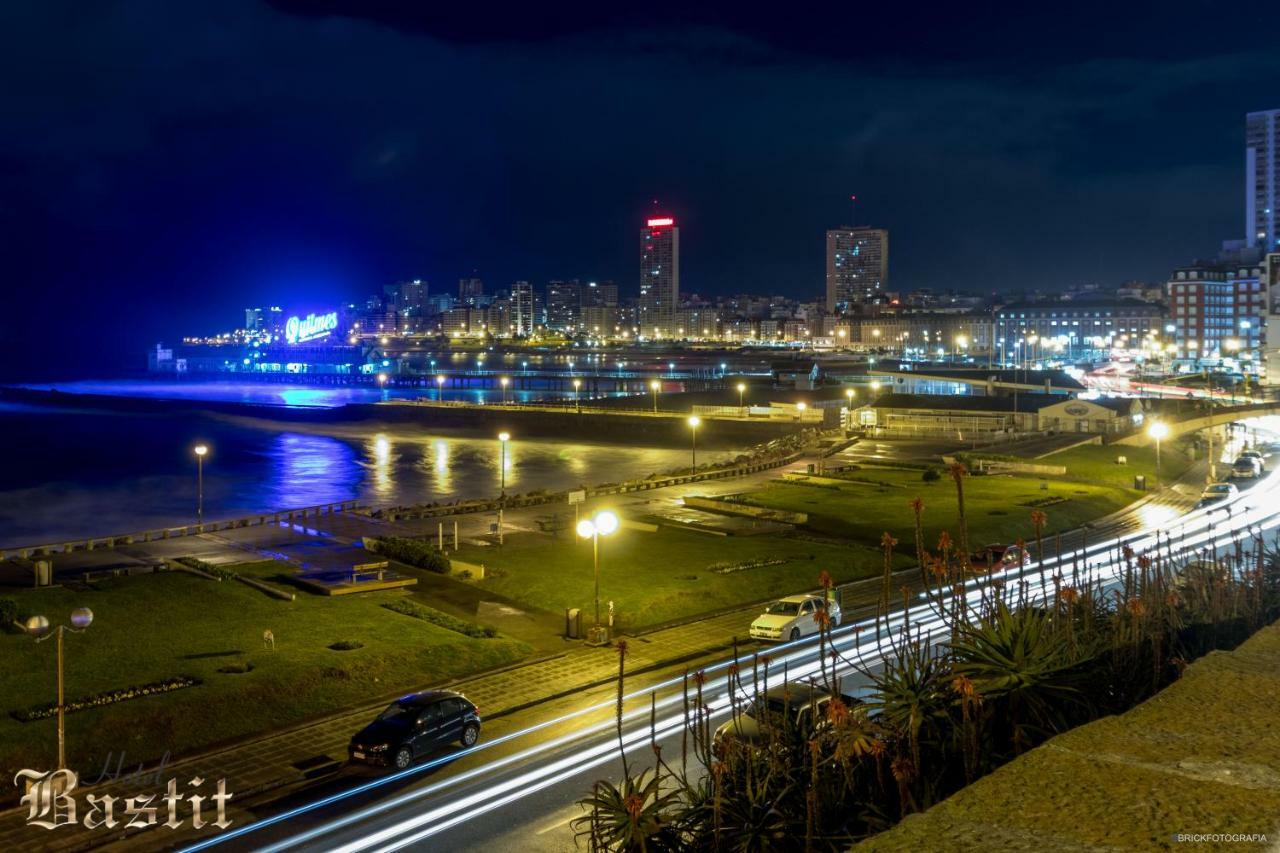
1249	513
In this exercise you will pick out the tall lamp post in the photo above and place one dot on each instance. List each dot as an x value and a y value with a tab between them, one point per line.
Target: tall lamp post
654	386
742	391
200	451
1158	430
503	381
503	438
577	401
39	627
694	423
849	394
602	524
439	386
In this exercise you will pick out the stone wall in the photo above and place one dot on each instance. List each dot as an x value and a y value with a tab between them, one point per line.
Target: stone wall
1201	757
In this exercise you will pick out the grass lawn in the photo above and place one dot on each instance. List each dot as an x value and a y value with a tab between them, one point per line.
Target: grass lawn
151	627
878	500
656	577
1097	464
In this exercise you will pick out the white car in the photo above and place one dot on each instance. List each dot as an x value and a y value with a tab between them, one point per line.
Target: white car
1216	492
792	617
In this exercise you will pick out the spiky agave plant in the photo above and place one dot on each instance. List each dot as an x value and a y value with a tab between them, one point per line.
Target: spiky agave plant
911	696
630	818
1012	656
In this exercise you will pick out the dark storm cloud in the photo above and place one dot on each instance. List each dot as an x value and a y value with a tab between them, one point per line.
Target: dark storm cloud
163	165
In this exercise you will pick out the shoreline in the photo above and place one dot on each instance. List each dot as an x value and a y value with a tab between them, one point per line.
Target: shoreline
667	430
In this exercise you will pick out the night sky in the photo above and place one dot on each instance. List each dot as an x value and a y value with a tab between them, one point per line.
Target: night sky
164	165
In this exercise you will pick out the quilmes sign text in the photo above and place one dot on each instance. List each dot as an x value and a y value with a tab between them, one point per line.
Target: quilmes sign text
299	330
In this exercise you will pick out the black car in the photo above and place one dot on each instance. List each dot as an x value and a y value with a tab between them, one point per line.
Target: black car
415	725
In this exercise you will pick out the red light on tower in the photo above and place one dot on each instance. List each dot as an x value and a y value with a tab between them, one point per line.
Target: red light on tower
660	222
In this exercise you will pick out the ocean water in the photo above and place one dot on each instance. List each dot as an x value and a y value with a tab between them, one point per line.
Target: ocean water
68	471
280	394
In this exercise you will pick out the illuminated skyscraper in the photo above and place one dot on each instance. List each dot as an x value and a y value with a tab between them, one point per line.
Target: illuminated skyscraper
1262	179
522	321
659	276
857	265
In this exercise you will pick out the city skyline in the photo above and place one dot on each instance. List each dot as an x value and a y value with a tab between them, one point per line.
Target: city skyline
249	194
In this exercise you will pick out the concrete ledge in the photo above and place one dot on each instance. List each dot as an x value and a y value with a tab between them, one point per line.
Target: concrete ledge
1200	757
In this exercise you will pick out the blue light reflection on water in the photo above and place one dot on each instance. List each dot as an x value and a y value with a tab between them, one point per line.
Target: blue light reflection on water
275	394
307	470
70	472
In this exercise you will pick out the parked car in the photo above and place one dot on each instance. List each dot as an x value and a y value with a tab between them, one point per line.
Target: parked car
414	726
1245	468
1255	454
1216	492
798	704
995	557
792	617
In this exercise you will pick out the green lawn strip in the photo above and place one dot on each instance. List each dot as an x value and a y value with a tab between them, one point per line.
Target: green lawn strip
1097	464
149	628
657	577
998	507
406	607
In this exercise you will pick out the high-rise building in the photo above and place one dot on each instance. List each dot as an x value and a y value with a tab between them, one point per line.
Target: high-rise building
857	265
659	276
522	322
564	305
599	293
470	290
1262	179
269	320
411	304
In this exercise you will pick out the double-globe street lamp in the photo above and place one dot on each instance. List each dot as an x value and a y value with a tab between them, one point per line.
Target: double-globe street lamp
601	524
39	627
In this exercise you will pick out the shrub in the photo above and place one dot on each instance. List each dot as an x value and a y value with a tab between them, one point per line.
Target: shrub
443	620
415	553
108	697
346	645
8	611
931	475
207	567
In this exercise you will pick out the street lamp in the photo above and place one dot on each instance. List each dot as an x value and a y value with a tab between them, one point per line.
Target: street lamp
602	524
742	390
654	386
200	451
503	438
1158	430
439	386
503	381
577	405
38	627
694	423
